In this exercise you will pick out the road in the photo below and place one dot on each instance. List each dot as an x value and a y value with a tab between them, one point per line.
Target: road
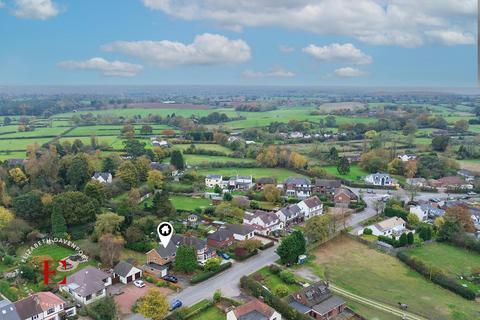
227	281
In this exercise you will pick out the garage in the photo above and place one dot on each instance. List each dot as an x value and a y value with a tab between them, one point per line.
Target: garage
126	272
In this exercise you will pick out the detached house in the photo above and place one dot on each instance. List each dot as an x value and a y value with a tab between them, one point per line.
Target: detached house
311	207
253	310
319	303
43	306
213	180
392	227
380	179
426	211
343	197
220	239
102	177
326	186
299	187
241	232
290	214
87	285
260	183
263	222
407	157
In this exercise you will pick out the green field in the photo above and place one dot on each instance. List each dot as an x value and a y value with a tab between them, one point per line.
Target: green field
375	275
189	203
21	144
196	159
205	146
279	173
353	175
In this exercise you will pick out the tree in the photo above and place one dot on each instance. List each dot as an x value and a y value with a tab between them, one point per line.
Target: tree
411	169
186	259
403	240
440	143
413	219
425	232
146	129
155	179
110	248
108	223
154	305
59	225
449	230
128	173
143	167
79	171
96	191
161	204
461	125
226	211
410	238
227	196
29	206
281	290
111	163
176	160
212	264
409	128
343	166
75	207
272	193
134	148
292	247
6	216
396	166
103	309
332	155
318	228
462	216
18	176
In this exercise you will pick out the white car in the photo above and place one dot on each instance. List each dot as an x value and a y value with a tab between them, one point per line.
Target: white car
139	283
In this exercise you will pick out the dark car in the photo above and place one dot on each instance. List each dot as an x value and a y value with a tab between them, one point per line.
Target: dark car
175	304
170	278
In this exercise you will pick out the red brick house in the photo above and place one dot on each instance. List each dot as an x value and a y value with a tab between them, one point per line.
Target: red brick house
344	196
220	239
260	183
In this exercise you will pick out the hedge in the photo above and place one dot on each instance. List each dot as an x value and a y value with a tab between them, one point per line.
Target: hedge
389	240
393	212
436	276
267	245
206	275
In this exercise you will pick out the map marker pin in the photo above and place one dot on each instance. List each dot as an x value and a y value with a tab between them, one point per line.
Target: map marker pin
165	232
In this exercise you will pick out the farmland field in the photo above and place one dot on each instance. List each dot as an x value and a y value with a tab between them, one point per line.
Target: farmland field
355	172
189	203
279	173
195	159
205	146
369	273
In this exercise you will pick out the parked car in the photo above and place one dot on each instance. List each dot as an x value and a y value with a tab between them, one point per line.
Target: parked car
139	283
435	200
175	304
223	255
472	193
170	278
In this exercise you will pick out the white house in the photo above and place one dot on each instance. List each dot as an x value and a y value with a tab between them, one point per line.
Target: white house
425	211
299	187
394	226
241	232
407	157
213	180
380	179
87	285
290	214
42	306
263	222
126	272
102	177
311	207
253	310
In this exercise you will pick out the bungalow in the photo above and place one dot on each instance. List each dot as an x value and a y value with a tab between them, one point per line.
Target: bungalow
343	197
426	211
102	177
220	239
380	179
290	214
8	310
243	182
213	180
318	302
87	285
43	305
263	222
253	310
407	157
126	272
260	183
311	207
453	182
392	227
241	232
326	186
299	187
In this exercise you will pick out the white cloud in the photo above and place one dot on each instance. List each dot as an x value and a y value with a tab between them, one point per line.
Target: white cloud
378	22
348	72
108	68
451	38
342	52
35	9
285	49
274	73
206	49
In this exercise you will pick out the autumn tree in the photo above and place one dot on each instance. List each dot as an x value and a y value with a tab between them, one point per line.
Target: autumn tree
318	228
272	193
96	190
153	305
143	167
18	176
108	223
75	207
110	248
5	217
462	216
411	169
461	125
128	173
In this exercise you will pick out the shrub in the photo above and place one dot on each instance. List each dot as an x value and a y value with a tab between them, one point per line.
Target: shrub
287	277
141	246
367	231
274	269
389	240
205	275
280	291
217	295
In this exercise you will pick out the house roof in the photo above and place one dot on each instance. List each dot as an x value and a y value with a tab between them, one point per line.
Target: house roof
188	241
312	202
8	311
221	234
313	294
214	176
326	183
451	180
265	180
240	229
254	306
296	181
291	211
103	175
328	305
265	216
156	266
347	192
390	223
167	252
36	304
123	268
160	166
87	281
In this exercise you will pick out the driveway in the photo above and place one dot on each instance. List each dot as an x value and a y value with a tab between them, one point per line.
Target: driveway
228	280
131	294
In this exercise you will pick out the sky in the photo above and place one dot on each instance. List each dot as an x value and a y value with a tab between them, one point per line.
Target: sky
239	42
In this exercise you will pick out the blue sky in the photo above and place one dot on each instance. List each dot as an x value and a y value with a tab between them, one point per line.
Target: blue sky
281	42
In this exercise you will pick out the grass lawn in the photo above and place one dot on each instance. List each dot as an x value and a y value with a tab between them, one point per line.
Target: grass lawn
372	274
271	281
212	313
353	175
55	251
189	203
279	173
205	146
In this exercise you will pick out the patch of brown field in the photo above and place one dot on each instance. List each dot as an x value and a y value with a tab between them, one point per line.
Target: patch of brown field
337	247
475	167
